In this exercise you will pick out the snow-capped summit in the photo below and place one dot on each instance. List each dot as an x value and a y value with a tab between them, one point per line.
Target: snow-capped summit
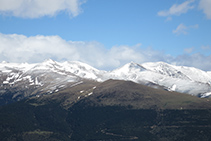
46	65
174	78
127	69
81	69
183	72
165	69
49	62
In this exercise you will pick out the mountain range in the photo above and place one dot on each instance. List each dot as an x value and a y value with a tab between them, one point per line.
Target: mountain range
23	80
52	101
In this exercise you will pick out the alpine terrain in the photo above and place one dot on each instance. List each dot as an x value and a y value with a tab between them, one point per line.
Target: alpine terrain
20	81
52	101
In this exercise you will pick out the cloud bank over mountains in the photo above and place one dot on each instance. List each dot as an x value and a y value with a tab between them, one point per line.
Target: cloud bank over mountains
39	8
19	48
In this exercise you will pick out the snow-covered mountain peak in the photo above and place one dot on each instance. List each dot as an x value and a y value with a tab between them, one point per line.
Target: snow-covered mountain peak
129	71
47	65
79	65
49	62
165	69
157	66
51	74
133	65
81	69
15	66
128	68
195	74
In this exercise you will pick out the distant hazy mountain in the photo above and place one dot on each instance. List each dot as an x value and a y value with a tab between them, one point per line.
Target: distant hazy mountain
19	81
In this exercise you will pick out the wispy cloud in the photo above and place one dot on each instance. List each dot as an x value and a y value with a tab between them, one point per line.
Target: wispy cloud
19	48
177	9
183	29
195	60
188	50
205	6
39	8
206	47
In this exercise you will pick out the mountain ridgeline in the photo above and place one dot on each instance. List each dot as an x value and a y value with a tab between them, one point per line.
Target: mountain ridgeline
20	81
53	101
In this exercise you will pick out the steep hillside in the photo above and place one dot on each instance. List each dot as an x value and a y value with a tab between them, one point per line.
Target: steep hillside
112	110
138	96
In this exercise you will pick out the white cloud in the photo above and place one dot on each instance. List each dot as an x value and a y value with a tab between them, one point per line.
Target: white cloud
196	60
177	9
194	26
189	50
206	47
168	19
19	48
183	29
39	8
205	6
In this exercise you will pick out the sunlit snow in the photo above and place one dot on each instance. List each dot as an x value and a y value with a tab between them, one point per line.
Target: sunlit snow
52	75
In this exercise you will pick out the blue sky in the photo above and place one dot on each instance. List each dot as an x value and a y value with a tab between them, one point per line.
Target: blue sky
107	33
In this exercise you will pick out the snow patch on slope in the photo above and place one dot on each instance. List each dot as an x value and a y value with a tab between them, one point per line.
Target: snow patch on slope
206	95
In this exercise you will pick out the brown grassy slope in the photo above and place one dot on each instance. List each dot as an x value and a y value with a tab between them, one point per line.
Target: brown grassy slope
127	93
68	96
123	93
